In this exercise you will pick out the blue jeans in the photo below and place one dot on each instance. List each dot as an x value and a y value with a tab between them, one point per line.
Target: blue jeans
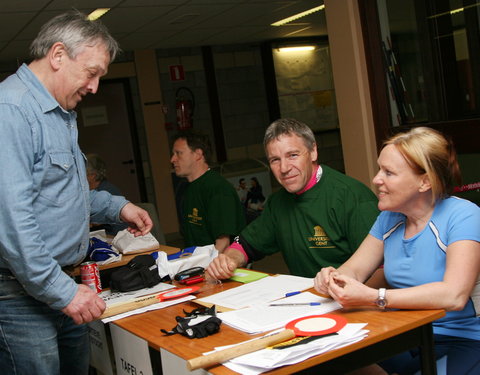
35	339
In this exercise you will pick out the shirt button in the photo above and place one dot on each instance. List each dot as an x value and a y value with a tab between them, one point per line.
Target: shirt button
65	166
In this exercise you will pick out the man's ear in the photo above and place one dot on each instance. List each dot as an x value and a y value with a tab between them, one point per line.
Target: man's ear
425	184
198	154
56	54
314	153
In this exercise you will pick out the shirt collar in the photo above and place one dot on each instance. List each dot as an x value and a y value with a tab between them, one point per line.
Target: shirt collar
43	97
313	180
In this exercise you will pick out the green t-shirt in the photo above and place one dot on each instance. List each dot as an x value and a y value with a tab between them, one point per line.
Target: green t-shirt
319	228
210	208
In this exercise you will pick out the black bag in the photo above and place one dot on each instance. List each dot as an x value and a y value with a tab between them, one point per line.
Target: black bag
141	272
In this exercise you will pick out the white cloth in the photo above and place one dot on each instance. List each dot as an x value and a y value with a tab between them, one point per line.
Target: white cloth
201	257
127	243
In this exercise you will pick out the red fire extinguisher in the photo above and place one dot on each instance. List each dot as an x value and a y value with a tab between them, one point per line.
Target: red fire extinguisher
185	104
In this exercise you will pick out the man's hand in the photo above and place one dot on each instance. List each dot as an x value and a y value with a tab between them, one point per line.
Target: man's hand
139	221
85	307
224	265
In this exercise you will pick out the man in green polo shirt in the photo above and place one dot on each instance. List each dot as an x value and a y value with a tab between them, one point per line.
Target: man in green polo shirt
211	212
318	219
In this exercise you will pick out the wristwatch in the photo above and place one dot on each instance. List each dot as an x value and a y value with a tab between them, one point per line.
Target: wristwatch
381	300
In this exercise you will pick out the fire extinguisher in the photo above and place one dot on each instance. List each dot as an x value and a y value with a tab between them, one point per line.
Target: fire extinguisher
185	104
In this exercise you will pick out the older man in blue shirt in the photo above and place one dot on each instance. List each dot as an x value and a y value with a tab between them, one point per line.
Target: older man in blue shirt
45	201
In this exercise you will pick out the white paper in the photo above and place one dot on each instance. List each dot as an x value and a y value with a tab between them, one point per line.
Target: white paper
117	297
263	318
155	306
267	359
112	298
259	292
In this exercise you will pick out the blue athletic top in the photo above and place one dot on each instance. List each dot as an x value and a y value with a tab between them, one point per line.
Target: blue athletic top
422	258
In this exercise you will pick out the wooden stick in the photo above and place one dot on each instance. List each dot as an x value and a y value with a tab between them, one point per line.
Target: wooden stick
126	306
238	350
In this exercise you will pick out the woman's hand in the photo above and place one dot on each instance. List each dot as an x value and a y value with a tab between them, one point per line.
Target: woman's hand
349	292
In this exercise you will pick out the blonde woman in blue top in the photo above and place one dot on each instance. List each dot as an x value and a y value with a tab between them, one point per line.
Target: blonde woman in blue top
429	243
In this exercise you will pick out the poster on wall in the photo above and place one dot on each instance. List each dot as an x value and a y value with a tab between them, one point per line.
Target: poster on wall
251	180
305	86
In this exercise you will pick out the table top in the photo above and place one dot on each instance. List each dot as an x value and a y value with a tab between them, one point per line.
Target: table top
381	324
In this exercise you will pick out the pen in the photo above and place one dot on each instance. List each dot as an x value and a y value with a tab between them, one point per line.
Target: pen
296	304
291	294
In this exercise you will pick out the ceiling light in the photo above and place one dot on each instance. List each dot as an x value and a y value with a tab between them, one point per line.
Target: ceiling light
97	13
296	48
297	16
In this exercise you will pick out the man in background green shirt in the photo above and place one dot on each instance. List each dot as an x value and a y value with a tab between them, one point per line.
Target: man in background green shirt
211	212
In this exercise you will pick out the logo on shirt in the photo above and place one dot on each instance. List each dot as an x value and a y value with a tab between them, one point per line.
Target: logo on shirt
319	238
193	218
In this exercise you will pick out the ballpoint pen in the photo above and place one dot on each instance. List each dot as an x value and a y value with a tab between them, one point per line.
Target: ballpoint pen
296	304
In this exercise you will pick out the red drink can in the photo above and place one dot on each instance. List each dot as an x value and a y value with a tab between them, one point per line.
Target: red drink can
90	275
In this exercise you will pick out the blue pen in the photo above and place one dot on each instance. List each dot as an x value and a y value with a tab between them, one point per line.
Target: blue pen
296	304
292	294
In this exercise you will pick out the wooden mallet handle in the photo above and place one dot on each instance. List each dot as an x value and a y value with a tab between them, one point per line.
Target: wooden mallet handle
238	350
122	307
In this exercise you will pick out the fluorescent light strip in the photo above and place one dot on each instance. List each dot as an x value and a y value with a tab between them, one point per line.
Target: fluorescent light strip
297	16
296	48
454	11
97	13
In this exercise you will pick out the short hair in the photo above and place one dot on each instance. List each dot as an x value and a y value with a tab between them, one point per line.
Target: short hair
289	126
196	141
75	31
428	151
95	164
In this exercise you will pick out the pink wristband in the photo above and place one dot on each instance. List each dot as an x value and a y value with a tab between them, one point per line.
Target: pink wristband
235	245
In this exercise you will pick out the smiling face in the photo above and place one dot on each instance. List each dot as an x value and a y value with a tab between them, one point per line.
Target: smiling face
291	162
79	76
399	186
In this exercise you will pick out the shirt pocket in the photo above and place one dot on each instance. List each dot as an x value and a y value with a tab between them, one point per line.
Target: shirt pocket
61	180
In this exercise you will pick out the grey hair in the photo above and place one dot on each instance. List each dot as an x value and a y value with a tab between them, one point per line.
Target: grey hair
75	31
288	126
95	164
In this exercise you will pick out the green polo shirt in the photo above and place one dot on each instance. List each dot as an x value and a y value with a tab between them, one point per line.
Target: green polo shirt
319	228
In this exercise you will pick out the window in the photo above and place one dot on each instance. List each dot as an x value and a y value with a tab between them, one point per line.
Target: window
429	54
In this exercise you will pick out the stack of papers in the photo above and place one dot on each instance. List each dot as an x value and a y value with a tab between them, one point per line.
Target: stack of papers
268	359
258	292
119	297
263	317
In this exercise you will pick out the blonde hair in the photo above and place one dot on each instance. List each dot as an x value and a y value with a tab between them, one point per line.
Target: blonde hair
429	151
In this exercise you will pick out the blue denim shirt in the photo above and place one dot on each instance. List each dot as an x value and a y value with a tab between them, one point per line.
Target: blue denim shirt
45	202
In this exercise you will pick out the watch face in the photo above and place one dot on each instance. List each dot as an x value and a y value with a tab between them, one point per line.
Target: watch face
381	303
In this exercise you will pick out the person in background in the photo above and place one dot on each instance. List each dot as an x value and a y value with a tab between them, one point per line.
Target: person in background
97	180
255	197
429	243
242	191
317	219
97	175
46	203
211	210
